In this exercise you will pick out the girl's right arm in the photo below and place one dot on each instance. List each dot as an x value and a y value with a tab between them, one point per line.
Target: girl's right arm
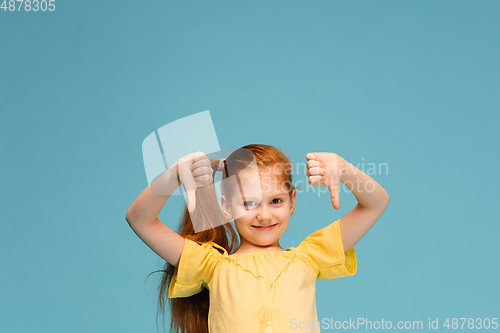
142	217
192	171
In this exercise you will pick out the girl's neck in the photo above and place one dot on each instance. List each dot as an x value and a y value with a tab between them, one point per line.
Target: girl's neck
248	249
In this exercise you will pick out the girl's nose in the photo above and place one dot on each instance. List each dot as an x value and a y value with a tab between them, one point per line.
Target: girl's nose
264	215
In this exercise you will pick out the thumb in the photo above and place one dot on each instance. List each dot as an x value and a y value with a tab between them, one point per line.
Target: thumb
334	193
335	201
191	200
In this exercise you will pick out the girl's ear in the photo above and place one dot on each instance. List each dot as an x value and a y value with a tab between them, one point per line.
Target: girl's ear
292	201
226	208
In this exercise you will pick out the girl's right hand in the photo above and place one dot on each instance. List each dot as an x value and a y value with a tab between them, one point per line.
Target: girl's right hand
194	170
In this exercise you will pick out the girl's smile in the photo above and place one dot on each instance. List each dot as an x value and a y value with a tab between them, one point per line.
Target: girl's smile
268	227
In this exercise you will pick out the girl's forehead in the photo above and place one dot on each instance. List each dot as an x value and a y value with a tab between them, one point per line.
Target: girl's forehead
262	176
262	183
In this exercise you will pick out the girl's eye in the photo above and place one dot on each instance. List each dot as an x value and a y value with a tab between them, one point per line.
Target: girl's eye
252	203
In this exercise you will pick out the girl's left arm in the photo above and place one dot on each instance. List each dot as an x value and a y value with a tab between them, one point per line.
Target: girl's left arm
329	169
372	202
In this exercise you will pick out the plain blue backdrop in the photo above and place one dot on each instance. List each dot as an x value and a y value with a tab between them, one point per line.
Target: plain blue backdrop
414	84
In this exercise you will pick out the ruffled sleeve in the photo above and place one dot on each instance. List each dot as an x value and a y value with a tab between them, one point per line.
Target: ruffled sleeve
325	253
195	269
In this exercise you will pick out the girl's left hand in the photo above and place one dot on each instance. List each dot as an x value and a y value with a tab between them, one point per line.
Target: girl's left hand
325	169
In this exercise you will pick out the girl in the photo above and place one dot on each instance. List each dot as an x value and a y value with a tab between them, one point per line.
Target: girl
216	285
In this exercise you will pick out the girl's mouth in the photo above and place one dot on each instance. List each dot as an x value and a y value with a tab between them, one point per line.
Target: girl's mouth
265	228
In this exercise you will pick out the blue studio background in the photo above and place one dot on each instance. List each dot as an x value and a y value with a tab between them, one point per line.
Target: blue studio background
413	84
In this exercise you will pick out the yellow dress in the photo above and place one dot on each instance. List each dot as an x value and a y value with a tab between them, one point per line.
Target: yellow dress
263	291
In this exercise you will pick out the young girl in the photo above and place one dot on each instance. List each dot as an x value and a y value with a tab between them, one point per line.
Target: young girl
216	285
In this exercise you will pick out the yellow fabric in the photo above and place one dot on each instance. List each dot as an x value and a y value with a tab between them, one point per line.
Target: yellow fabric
252	290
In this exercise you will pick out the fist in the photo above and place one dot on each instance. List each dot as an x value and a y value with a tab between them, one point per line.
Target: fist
194	170
325	169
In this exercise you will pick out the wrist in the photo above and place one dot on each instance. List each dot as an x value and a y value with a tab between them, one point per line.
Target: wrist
166	183
175	171
344	168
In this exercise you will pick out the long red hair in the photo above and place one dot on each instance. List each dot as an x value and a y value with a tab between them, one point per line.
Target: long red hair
190	314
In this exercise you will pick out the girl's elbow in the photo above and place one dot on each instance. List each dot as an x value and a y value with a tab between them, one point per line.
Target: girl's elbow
386	196
384	201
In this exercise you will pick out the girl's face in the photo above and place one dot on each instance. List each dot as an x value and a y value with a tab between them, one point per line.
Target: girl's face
262	212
